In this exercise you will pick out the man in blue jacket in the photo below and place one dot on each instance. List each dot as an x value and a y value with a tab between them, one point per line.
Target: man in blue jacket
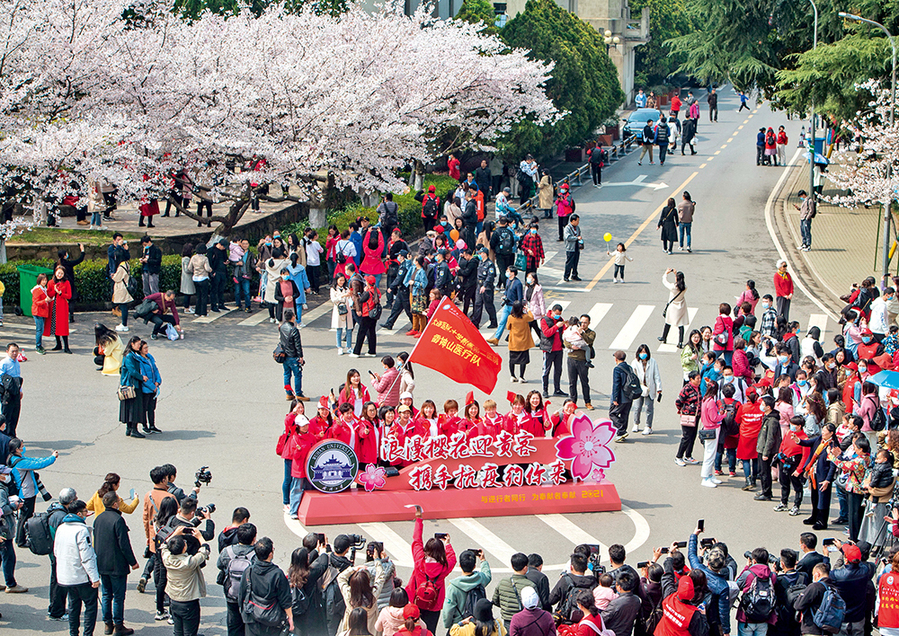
715	570
759	146
619	401
514	291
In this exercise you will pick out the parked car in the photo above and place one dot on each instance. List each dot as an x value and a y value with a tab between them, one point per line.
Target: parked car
637	120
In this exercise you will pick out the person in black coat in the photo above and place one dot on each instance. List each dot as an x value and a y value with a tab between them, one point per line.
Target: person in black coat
114	560
68	266
305	574
468	279
540	580
218	257
269	586
668	224
808	541
821	472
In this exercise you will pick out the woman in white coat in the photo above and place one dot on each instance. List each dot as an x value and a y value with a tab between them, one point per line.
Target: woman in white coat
676	310
651	380
342	314
273	267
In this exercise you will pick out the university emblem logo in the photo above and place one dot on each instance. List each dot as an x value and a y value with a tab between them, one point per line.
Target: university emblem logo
332	466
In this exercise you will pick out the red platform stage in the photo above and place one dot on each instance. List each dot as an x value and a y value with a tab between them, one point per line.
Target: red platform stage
359	506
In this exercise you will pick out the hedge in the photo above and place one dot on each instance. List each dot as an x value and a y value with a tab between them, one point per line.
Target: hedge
409	210
92	281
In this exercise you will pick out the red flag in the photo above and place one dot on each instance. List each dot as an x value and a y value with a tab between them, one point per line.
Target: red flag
451	345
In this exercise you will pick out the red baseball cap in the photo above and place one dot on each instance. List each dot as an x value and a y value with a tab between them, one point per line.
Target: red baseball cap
411	610
852	553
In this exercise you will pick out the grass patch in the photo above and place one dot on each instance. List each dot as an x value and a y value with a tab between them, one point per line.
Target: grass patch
44	235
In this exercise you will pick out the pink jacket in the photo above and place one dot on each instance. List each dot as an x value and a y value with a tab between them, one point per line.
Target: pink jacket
711	418
740	364
724	324
387	388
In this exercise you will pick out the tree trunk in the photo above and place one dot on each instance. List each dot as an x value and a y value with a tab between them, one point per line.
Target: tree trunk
417	179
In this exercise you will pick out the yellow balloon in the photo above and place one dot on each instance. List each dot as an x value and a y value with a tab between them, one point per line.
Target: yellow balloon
607	237
454	234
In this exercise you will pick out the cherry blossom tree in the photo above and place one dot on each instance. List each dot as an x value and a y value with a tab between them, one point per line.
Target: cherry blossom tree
86	94
869	165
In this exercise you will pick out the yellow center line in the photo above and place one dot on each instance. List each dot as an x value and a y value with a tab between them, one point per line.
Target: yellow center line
750	117
702	166
717	152
722	148
740	127
746	121
710	158
729	140
640	229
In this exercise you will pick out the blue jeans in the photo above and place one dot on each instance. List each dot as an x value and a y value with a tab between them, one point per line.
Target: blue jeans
38	331
292	367
112	601
297	486
805	227
505	312
750	470
731	459
377	281
96	219
345	334
8	556
684	228
752	629
286	484
242	292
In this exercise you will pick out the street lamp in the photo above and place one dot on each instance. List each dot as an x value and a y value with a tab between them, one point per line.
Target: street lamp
886	212
811	172
611	40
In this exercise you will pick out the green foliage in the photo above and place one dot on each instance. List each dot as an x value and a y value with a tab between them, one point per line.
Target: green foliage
92	281
479	12
584	81
667	19
191	9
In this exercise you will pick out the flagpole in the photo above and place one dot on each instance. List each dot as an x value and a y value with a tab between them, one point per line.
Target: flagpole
399	375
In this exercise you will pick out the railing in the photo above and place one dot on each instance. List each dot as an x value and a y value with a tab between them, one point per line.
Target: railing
574	179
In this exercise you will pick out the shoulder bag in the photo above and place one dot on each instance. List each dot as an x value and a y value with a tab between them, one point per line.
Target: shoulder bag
126	392
665	310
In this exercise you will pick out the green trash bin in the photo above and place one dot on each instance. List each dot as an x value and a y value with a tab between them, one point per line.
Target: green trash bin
27	280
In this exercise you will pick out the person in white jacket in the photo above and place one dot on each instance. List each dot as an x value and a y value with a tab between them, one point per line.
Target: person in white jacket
76	567
651	380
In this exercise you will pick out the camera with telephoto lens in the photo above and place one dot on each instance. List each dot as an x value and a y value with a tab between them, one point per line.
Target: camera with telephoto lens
203	476
207	510
358	541
594	559
772	559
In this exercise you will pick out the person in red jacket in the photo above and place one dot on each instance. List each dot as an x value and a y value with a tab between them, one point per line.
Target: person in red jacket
40	310
561	419
469	425
449	421
849	387
434	561
285	448
681	615
322	421
539	421
551	326
301	442
783	289
794	457
454	171
516	419
749	417
367	439
344	428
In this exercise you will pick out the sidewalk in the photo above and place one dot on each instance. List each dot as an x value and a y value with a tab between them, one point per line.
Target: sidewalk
845	241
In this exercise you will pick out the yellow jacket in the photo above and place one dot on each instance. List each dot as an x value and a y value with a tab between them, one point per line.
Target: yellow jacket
96	504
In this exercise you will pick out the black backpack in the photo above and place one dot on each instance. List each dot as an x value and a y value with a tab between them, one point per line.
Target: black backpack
757	602
37	534
430	208
632	388
568	611
729	426
474	595
390	213
878	420
506	242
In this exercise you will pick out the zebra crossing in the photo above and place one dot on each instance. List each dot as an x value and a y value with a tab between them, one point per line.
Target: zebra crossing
618	325
469	532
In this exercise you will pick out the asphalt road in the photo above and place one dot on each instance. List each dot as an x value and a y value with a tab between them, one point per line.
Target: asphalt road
222	404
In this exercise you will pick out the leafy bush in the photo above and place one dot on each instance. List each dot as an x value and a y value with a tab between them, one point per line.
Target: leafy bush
92	282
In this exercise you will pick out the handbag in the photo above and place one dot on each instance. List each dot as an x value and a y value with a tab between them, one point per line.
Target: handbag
521	261
342	309
279	355
687	420
126	392
706	434
722	339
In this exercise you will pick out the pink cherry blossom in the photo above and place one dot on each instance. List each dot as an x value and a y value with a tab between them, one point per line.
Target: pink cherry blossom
587	447
373	478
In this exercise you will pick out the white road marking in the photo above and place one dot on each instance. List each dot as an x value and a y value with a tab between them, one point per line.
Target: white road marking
486	539
211	317
397	546
571	531
598	312
632	327
672	348
819	321
257	318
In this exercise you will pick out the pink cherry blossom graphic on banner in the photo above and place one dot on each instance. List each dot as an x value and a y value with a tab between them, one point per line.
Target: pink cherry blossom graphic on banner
373	478
587	447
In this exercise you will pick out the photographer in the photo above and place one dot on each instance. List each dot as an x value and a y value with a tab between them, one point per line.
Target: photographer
682	610
756	609
173	490
475	573
376	554
715	570
186	585
189	517
790	583
240	554
228	536
566	588
674	569
333	599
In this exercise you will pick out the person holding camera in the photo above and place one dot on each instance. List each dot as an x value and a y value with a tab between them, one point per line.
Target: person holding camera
475	573
577	578
76	565
186	584
191	517
714	566
332	598
434	561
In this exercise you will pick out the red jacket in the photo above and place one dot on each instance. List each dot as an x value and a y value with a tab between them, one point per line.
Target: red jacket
342	432
40	302
428	569
366	446
783	284
301	443
552	329
740	364
372	263
560	424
